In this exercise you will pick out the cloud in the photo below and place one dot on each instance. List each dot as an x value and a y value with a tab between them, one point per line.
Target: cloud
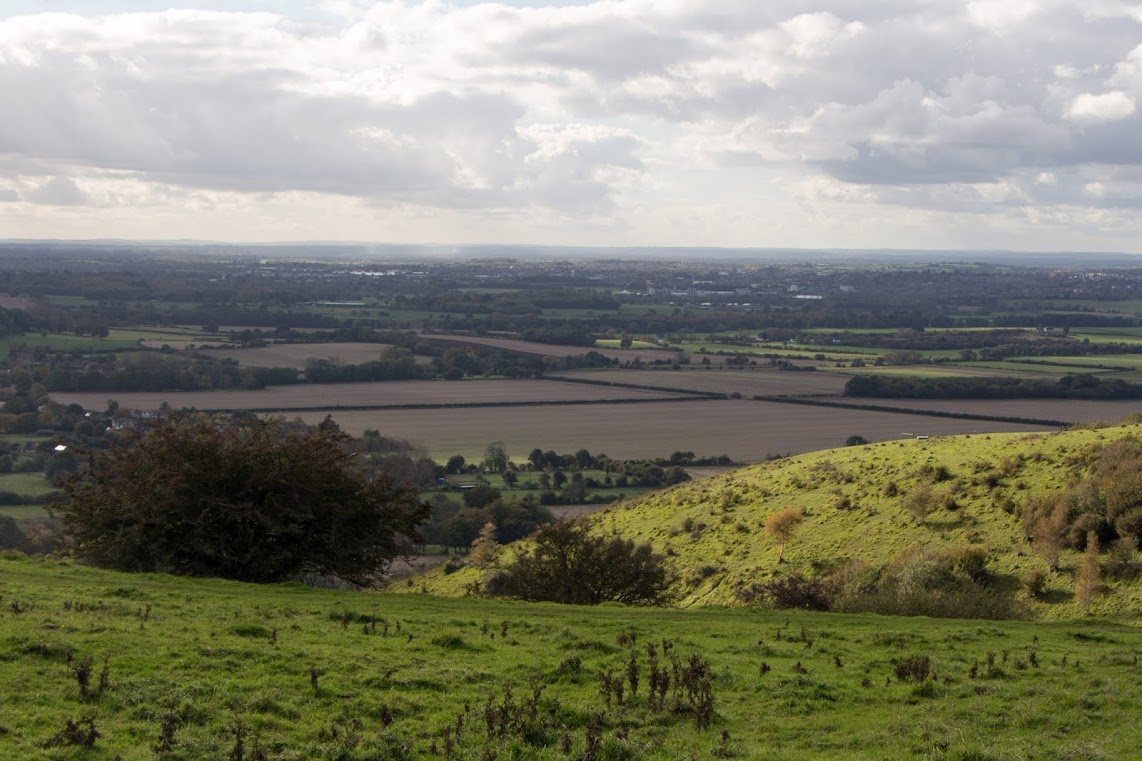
601	111
59	191
1107	106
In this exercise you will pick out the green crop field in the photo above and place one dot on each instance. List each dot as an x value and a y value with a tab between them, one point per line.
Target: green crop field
297	355
1041	367
25	483
65	342
190	668
1091	362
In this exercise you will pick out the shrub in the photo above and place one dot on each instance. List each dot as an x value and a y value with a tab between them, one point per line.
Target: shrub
252	501
1035	581
920	581
571	564
792	591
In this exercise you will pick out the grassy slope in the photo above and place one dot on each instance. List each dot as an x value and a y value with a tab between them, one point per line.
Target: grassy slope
210	651
713	529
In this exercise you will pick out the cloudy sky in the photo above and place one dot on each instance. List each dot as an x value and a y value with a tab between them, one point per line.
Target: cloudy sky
1012	124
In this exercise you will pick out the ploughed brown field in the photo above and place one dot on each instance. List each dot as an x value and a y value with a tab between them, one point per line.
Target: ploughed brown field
758	381
1066	410
362	395
745	430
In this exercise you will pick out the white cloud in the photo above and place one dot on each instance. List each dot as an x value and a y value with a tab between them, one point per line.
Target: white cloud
1108	106
998	15
590	121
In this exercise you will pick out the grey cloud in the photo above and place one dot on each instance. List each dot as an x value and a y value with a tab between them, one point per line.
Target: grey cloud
915	95
59	191
7	195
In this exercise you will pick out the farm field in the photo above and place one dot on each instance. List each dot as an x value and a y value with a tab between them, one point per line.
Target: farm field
745	430
1044	367
557	350
25	483
1093	361
1069	410
328	674
832	353
296	355
1109	335
746	382
69	341
362	395
962	370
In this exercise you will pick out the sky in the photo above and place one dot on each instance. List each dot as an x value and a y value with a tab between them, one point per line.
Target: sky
919	124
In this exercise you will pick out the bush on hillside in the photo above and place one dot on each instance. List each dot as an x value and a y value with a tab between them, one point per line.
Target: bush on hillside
792	591
252	501
569	563
923	581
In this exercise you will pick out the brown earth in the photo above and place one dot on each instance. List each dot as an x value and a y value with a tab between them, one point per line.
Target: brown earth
745	430
360	395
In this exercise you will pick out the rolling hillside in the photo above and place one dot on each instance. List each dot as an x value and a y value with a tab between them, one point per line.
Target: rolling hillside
856	502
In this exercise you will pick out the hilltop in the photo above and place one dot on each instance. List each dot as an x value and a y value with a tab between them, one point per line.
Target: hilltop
856	502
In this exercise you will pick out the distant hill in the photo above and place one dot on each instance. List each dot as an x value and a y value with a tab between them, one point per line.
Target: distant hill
856	508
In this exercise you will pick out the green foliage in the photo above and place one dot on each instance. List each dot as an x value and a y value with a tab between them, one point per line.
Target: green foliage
569	563
255	501
922	581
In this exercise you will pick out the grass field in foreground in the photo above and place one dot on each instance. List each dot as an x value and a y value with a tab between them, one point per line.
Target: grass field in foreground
205	656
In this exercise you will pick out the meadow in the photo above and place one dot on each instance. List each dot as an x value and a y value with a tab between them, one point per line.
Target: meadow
559	350
104	665
296	355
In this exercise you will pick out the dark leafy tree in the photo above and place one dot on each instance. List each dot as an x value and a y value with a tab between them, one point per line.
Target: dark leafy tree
254	501
481	495
572	564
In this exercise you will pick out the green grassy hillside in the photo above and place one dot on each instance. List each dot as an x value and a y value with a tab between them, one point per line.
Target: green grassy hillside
181	668
855	501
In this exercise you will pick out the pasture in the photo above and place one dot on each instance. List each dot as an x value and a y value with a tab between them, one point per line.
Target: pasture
557	350
322	395
745	430
197	667
948	370
296	355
